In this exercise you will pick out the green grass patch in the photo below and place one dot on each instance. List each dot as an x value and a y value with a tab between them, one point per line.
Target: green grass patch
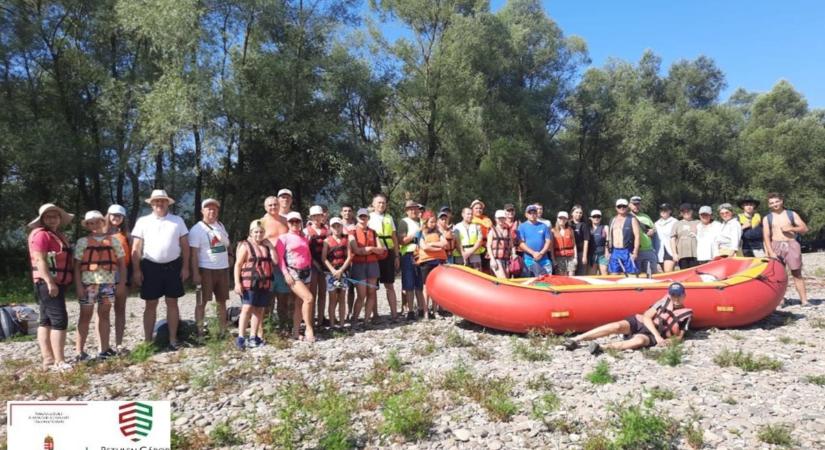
601	374
381	370
746	361
668	356
818	380
785	340
223	436
544	405
22	338
540	383
658	393
532	349
776	434
493	394
334	411
455	339
407	413
640	426
730	400
142	352
427	347
480	353
32	382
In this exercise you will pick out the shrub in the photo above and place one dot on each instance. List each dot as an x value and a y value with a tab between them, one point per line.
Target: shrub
532	350
640	426
668	356
746	361
222	435
142	352
601	374
334	411
779	434
407	413
661	394
818	380
545	405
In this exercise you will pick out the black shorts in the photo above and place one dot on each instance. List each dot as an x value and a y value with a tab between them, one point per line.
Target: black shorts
428	267
667	256
386	269
687	263
53	312
638	327
161	280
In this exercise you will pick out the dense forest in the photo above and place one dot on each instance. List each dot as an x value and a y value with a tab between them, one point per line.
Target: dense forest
103	100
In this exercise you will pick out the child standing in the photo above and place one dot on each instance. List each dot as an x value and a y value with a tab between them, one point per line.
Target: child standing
99	258
431	254
337	256
253	280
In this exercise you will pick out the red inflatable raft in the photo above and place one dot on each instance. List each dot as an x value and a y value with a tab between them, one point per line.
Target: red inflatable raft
728	292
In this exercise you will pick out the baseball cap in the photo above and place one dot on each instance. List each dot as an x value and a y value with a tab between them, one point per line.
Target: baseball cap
705	210
445	208
91	216
362	212
284	192
595	212
116	209
685	207
509	206
563	214
621	202
635	199
294	215
676	289
665	207
726	206
336	221
315	209
531	208
210	201
500	214
443	214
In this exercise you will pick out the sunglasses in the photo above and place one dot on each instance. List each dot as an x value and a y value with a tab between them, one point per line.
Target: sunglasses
596	217
294	221
621	207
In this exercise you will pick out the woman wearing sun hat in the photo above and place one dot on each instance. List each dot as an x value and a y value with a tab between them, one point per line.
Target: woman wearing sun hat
118	228
51	264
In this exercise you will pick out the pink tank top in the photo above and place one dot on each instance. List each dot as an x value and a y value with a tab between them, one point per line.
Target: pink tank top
293	249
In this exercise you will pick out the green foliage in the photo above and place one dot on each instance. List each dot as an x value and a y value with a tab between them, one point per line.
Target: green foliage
544	405
670	355
455	339
530	350
223	436
334	411
776	434
142	352
818	380
658	393
746	361
493	394
408	413
16	289
640	426
601	374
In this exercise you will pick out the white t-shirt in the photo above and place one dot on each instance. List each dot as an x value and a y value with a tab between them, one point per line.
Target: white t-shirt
376	222
160	236
212	242
664	230
546	222
706	248
730	234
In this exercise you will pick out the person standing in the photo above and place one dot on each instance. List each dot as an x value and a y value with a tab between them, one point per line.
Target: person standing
484	222
384	225
445	227
564	246
431	254
274	222
316	232
541	218
581	231
412	284
781	227
683	239
625	237
647	261
348	217
253	281
50	257
209	244
501	244
470	241
730	233
119	229
536	241
295	262
664	232
160	258
337	257
706	232
98	259
598	244
751	221
366	249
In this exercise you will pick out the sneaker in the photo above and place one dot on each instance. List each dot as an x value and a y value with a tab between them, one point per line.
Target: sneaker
410	316
83	356
173	346
570	344
420	313
325	323
121	350
62	367
258	341
240	343
104	355
594	349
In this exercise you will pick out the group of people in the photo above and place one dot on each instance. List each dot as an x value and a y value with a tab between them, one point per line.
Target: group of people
294	265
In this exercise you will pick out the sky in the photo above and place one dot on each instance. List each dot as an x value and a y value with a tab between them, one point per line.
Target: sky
755	43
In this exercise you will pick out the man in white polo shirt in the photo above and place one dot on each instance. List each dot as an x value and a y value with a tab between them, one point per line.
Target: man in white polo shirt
160	257
209	241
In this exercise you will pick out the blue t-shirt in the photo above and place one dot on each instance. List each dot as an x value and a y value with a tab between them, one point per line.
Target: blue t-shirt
534	235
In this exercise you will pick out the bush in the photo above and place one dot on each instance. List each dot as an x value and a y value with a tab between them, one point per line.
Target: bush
601	374
670	355
746	361
545	405
779	434
16	289
533	350
142	352
493	394
818	380
222	435
334	410
640	426
407	413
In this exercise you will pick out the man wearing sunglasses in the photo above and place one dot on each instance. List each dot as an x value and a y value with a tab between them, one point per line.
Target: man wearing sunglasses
624	240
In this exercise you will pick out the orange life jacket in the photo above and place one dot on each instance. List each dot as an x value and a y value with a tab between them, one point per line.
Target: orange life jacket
60	263
502	246
671	321
337	251
316	239
365	238
564	244
256	272
98	256
124	244
452	243
430	255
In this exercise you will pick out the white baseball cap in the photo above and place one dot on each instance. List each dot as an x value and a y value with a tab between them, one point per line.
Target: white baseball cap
363	212
210	201
315	209
706	210
294	215
500	214
595	212
563	214
116	209
284	192
336	221
92	215
621	202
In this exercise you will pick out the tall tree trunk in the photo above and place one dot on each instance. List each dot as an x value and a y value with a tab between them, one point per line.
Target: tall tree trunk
159	169
198	172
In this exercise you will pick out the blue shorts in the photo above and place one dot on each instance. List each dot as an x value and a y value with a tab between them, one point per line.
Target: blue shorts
279	285
621	255
411	279
341	284
257	298
538	268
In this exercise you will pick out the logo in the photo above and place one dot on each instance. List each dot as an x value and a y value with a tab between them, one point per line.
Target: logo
48	443
135	420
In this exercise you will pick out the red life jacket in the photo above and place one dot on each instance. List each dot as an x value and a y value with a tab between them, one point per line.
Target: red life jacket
452	242
563	243
98	256
60	263
316	239
365	238
337	252
256	272
671	321
502	246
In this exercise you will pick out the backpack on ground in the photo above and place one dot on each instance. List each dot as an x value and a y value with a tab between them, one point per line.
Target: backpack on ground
17	320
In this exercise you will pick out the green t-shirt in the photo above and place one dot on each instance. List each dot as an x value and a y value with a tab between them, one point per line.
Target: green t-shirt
645	243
